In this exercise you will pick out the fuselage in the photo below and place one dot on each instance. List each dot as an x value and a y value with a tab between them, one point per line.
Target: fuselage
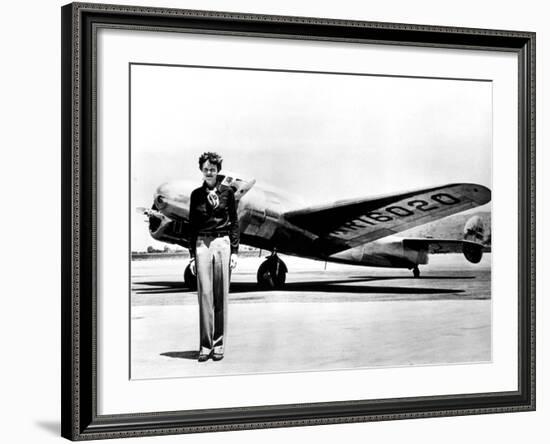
263	225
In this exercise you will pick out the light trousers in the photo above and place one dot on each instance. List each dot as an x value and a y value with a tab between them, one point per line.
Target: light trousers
212	262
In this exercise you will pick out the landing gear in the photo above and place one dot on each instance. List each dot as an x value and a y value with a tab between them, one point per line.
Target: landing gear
416	271
189	279
272	273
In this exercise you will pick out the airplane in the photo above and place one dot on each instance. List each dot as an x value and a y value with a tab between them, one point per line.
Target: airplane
354	231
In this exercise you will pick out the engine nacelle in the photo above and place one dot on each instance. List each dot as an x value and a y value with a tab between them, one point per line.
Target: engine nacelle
474	230
472	252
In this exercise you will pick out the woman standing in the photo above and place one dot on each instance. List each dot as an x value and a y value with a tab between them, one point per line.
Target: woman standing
213	246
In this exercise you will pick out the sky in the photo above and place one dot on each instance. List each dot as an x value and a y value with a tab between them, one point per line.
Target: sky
320	136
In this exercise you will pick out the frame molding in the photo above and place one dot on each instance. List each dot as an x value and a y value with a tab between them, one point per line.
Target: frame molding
79	418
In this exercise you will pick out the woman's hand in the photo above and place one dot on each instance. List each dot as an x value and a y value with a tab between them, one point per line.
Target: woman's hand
233	261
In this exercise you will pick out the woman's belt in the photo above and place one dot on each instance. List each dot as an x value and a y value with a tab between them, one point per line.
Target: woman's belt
213	233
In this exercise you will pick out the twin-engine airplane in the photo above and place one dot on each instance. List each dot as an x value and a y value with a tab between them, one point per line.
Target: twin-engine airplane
356	231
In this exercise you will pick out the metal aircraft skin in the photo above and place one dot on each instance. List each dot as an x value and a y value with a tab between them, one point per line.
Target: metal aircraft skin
355	231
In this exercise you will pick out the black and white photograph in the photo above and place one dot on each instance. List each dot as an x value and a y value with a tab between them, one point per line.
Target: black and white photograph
293	221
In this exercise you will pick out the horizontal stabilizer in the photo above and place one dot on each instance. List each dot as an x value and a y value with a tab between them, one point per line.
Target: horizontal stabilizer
440	246
472	251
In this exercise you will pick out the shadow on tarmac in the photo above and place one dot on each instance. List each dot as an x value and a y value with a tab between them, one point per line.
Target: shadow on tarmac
330	287
323	286
191	354
383	278
159	287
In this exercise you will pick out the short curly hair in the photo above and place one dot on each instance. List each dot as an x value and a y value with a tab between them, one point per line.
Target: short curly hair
213	158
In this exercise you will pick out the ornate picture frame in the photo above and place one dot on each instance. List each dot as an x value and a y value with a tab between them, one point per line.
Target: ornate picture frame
81	172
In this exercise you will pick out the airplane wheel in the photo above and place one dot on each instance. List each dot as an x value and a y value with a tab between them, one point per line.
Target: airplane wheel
272	273
416	272
189	279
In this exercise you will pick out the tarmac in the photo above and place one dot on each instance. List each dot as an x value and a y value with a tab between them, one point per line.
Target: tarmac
327	317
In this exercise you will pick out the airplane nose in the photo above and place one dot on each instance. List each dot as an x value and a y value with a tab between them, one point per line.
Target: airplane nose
160	201
162	195
172	193
164	189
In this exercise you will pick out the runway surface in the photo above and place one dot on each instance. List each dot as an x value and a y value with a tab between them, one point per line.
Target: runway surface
324	319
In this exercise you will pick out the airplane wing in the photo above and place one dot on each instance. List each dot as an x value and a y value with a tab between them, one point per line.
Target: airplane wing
356	222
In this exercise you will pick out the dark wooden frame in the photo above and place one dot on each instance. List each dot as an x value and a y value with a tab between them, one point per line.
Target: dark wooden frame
80	420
